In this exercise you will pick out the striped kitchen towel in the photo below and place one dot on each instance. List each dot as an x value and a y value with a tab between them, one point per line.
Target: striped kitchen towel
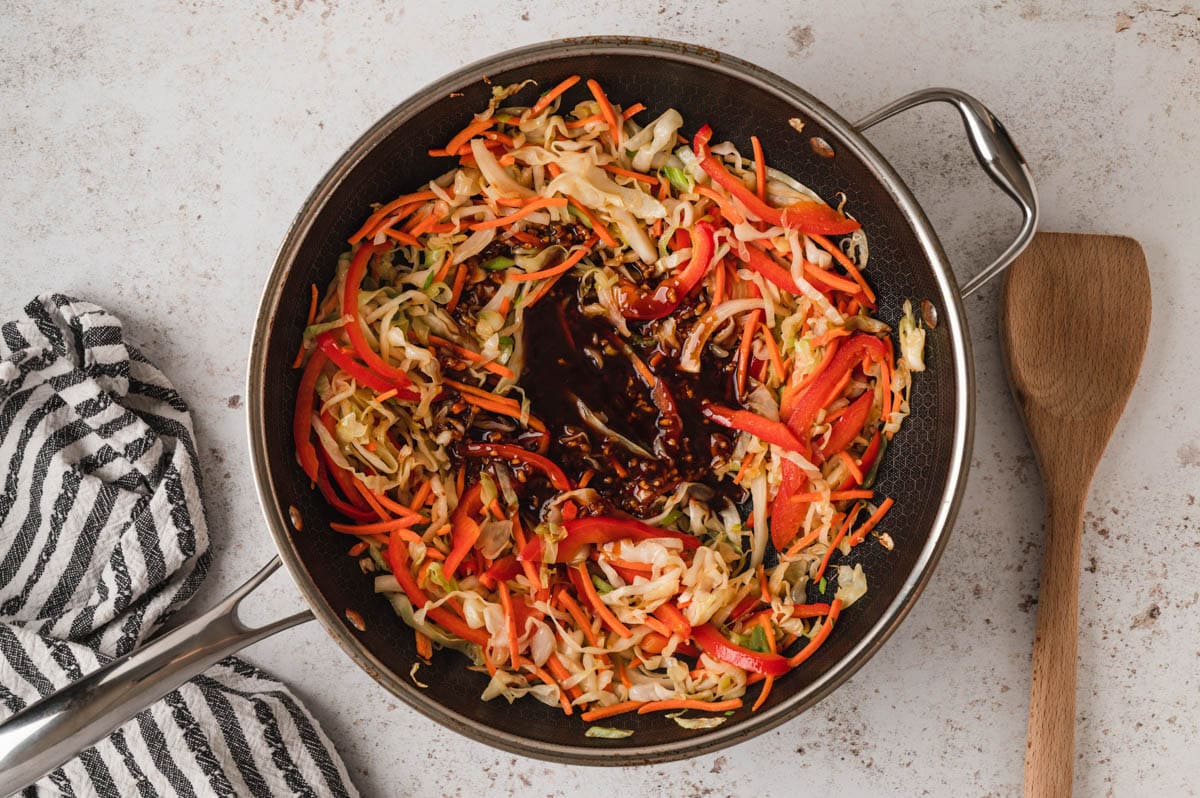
102	538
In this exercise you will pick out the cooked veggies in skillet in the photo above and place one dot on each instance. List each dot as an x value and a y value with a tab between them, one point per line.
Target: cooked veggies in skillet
604	407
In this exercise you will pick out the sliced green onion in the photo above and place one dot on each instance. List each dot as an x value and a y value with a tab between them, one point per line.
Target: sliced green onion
822	585
578	214
499	263
873	471
680	179
312	331
601	585
758	640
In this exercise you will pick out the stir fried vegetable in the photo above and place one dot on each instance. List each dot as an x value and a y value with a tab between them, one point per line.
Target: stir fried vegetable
604	407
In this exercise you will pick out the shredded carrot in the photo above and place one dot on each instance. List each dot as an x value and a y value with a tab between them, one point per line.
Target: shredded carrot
746	461
833	496
510	622
382	212
760	174
554	169
847	264
299	356
560	672
395	525
598	227
602	610
542	291
460	279
369	496
885	381
576	612
718	283
833	544
587	477
861	533
422	495
476	127
380	398
632	111
727	210
554	271
687	703
763	590
640	177
402	237
504	410
396	507
629	565
531	571
357	549
610	116
424	646
496	510
832	280
472	390
835	609
773	352
851	466
811	538
573	124
526	209
744	349
609	711
544	101
548	679
622	672
764	622
474	357
660	628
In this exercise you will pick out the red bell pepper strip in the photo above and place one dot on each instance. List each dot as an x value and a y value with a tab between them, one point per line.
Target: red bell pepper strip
786	515
601	529
846	427
397	557
361	374
809	610
507	451
807	216
503	569
337	503
306	453
464	529
718	646
354	278
775	432
817	395
658	304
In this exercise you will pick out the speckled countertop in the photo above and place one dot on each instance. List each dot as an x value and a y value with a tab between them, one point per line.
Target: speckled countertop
153	155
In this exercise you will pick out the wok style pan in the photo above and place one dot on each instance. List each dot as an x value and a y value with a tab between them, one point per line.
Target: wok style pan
925	468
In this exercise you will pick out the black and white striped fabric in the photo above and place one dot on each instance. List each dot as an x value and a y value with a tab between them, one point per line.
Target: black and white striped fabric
102	538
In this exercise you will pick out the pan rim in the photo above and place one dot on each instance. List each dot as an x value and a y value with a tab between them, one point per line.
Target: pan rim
953	317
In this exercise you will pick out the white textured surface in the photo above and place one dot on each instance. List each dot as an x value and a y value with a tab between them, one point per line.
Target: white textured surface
153	157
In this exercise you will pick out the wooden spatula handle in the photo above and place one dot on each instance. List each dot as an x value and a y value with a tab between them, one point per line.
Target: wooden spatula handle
1050	744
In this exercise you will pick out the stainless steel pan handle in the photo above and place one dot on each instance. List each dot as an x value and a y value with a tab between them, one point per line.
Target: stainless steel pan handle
57	728
996	153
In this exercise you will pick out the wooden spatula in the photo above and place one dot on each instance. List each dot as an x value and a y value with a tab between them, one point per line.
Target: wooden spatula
1074	316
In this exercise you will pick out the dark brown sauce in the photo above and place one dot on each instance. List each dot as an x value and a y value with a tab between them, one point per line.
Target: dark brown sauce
572	358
